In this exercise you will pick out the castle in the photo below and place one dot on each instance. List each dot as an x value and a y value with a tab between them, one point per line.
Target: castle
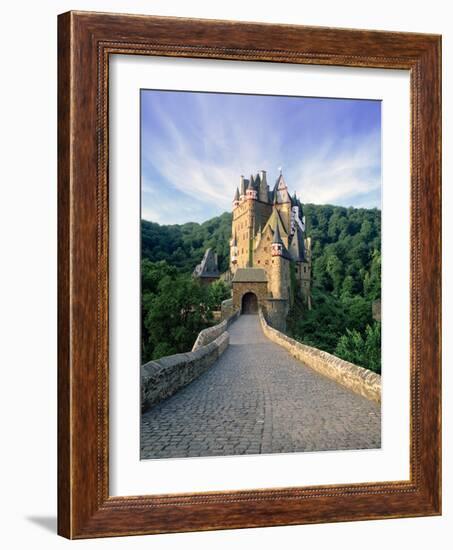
270	257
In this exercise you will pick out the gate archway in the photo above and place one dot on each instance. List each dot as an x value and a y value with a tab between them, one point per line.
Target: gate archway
249	304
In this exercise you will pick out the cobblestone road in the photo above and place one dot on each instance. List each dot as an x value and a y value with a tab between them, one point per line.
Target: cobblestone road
256	399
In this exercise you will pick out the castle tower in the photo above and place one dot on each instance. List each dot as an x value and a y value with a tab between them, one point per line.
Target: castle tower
236	200
244	223
279	268
268	236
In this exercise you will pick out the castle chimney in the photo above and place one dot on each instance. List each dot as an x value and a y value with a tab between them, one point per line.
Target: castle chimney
242	188
263	187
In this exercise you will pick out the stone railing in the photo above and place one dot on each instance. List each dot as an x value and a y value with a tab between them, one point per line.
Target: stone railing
162	378
232	318
357	379
226	307
209	334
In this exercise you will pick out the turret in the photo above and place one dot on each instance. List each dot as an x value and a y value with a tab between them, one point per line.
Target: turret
277	243
279	274
251	192
236	198
281	194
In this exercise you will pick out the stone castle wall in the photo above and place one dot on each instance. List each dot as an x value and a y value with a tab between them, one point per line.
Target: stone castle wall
357	379
279	278
276	313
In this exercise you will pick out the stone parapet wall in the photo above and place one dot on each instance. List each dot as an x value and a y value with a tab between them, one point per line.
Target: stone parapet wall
357	379
227	308
164	377
232	318
209	334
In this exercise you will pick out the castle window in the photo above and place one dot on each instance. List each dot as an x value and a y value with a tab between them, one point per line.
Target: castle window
267	262
305	269
272	261
259	261
265	249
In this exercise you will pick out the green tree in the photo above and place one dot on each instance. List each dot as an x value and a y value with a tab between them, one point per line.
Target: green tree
363	350
217	292
175	307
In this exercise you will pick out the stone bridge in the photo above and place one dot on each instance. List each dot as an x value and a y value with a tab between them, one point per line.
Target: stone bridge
257	398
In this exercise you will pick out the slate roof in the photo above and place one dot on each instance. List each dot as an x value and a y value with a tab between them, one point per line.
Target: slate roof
297	245
274	221
208	266
250	275
277	239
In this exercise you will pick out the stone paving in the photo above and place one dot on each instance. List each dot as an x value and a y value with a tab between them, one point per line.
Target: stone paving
255	399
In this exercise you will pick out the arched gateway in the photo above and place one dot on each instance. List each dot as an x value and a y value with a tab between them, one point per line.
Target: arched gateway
249	290
249	304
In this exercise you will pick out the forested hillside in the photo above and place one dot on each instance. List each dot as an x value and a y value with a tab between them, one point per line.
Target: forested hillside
346	263
183	246
346	281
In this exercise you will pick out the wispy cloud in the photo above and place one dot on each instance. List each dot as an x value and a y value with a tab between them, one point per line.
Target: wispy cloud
342	173
195	147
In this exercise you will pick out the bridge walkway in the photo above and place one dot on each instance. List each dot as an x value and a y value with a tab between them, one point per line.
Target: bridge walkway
257	398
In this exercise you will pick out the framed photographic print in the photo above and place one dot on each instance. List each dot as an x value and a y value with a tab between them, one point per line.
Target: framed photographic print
249	275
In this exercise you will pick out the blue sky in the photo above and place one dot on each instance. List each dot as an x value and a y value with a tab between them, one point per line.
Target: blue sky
196	145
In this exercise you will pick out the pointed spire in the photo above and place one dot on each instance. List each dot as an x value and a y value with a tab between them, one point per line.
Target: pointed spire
297	246
277	239
236	195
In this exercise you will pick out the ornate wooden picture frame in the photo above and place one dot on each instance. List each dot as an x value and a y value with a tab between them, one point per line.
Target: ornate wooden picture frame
85	42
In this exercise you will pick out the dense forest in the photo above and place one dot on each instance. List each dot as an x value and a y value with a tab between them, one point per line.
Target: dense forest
183	246
346	280
346	264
